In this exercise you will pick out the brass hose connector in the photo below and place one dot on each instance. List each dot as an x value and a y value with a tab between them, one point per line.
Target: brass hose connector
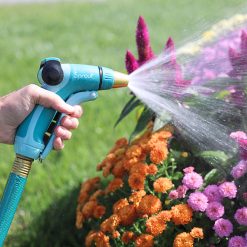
22	165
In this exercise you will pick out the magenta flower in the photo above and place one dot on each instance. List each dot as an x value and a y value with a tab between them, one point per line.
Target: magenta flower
240	169
130	62
237	241
192	180
215	210
241	216
188	169
223	227
241	138
173	195
228	189
181	190
198	201
212	193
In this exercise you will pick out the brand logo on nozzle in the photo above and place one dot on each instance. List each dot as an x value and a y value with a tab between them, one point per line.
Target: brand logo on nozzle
78	76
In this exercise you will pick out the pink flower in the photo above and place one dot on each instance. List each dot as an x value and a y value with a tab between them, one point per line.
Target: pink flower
181	190
173	194
212	193
240	169
228	189
215	210
188	169
130	62
237	241
198	201
192	180
241	216
223	227
241	138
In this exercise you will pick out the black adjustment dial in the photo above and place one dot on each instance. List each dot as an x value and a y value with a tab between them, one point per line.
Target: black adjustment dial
52	73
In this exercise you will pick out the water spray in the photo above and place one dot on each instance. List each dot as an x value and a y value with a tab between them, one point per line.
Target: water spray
75	83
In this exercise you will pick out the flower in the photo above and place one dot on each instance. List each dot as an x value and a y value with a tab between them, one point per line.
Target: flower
241	138
183	239
197	232
192	180
99	238
215	210
198	201
136	181
158	153
228	189
181	190
152	169
240	169
99	211
149	205
144	240
181	214
114	185
136	196
241	216
155	226
173	194
223	227
120	204
212	193
110	224
162	185
127	237
127	214
88	209
237	241
188	169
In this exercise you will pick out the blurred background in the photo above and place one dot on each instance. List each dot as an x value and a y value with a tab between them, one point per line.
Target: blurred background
94	32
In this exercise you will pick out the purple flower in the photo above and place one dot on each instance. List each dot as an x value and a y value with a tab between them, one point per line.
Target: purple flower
241	216
237	241
223	227
188	169
181	190
198	201
228	189
215	210
192	180
173	194
240	169
241	138
212	193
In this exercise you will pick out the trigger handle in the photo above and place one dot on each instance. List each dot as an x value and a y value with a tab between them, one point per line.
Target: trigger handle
74	99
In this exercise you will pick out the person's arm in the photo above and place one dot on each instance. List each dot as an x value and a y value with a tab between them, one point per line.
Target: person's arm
16	106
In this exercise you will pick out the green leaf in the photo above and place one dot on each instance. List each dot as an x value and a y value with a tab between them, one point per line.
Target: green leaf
212	177
214	157
129	107
145	117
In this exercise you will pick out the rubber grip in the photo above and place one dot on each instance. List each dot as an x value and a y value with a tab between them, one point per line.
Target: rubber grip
10	200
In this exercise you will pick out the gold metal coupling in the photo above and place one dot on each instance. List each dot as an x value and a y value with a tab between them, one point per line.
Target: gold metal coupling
22	165
120	80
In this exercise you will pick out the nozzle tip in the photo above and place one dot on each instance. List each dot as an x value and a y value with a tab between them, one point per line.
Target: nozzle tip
120	80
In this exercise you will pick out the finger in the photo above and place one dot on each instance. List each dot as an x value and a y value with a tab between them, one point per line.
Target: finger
49	99
58	144
63	133
69	122
78	111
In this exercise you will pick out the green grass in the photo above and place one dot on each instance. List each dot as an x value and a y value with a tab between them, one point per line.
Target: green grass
91	33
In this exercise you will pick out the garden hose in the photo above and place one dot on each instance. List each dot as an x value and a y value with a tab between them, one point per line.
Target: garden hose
74	83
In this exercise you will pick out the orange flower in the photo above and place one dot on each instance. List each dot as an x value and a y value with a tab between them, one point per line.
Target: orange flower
140	168
136	181
120	204
97	193
152	169
99	211
107	169
110	224
162	185
79	220
197	232
115	184
165	215
136	197
128	163
144	240
158	153
133	151
149	205
127	215
155	226
88	209
183	240
83	197
99	238
127	237
181	214
116	234
118	170
90	184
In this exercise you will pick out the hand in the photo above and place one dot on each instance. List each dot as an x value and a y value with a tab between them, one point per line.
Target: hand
16	106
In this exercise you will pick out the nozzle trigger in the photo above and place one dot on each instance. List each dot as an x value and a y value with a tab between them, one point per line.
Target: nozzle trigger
74	99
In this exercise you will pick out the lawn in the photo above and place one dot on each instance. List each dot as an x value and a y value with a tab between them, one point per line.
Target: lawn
97	32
